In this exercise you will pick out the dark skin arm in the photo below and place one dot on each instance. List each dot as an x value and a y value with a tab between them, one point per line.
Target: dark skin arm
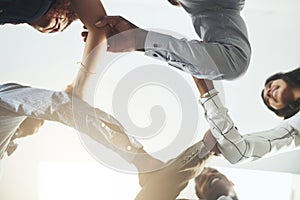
124	35
204	86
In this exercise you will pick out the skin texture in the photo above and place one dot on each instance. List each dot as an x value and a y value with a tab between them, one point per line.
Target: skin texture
29	126
278	94
211	184
88	12
129	38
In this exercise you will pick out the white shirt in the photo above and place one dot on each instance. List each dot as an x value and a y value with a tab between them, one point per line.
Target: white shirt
17	102
236	147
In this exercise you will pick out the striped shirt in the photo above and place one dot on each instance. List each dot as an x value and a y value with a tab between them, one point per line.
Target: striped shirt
236	147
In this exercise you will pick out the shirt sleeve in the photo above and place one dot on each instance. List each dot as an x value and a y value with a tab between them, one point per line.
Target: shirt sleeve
205	60
236	147
191	56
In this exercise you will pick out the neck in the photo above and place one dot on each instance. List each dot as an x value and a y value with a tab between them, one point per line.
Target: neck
297	93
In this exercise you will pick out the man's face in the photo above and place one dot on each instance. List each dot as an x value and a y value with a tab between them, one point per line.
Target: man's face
211	184
50	25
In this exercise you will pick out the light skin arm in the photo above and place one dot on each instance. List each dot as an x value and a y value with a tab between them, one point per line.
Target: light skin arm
89	12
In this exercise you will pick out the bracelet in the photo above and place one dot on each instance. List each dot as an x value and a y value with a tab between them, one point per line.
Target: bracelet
83	68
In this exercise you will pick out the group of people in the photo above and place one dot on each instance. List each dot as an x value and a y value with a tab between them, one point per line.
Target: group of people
222	53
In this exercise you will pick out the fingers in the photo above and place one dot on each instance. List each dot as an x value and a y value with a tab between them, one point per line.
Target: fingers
84	34
210	143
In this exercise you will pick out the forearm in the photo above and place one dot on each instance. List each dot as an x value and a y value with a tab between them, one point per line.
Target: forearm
249	147
176	174
236	147
89	12
73	112
203	85
207	60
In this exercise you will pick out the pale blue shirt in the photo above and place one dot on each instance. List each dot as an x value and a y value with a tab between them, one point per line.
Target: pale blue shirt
224	50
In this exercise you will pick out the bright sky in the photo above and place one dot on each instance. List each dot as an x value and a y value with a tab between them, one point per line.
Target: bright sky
54	165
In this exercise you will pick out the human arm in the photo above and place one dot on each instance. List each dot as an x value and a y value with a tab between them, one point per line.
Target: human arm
18	101
89	11
180	53
234	146
167	182
28	127
223	52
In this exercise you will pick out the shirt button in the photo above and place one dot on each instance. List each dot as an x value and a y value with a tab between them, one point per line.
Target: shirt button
129	148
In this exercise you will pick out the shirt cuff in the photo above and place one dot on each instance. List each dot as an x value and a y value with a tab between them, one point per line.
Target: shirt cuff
156	41
156	45
211	102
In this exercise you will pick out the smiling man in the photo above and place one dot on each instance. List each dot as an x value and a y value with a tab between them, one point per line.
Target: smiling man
213	185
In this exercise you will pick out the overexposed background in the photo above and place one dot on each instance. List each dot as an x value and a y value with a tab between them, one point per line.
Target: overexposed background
54	165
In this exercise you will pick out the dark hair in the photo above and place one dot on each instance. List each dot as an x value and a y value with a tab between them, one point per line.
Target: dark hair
292	78
61	8
234	197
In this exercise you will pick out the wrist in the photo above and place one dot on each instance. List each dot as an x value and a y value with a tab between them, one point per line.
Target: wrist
208	95
212	104
140	39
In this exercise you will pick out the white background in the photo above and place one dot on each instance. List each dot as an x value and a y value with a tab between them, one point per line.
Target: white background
54	165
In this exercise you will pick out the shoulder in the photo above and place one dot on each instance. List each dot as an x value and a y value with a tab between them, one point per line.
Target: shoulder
294	121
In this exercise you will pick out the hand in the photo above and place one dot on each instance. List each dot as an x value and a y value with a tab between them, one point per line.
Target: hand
85	32
29	127
124	36
211	143
69	89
